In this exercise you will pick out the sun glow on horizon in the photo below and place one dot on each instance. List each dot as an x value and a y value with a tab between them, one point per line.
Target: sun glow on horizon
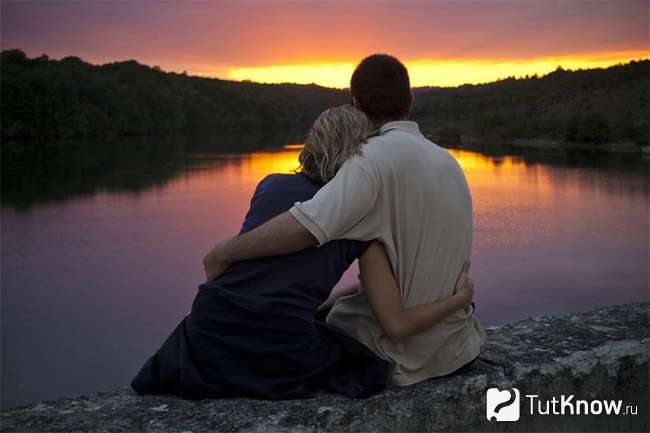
442	72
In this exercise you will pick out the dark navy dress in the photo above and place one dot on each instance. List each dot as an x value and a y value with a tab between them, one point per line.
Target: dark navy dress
252	333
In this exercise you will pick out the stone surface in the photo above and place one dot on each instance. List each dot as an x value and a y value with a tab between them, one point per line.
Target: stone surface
598	355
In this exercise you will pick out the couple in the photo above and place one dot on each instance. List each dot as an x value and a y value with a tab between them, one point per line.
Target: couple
370	187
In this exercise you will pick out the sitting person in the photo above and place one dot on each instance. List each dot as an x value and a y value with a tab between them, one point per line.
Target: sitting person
251	331
404	191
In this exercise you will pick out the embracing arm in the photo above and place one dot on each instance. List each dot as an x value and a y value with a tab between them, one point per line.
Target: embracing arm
280	235
334	209
385	299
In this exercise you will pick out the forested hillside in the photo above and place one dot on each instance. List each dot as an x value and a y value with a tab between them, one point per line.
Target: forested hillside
593	106
69	98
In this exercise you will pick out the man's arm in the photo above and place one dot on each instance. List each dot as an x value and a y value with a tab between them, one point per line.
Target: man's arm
280	235
334	210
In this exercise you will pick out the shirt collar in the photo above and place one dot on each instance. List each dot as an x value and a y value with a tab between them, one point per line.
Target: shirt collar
403	125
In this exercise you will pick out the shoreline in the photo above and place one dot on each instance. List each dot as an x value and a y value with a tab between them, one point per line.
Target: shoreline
543	145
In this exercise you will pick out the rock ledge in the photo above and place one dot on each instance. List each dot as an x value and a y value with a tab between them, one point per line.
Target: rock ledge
602	354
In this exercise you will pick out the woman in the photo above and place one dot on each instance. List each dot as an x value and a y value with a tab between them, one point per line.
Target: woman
251	332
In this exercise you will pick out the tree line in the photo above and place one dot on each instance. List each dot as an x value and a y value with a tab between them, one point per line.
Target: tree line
44	98
69	98
586	106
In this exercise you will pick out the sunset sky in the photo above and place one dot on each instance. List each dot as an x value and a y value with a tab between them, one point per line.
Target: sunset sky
444	43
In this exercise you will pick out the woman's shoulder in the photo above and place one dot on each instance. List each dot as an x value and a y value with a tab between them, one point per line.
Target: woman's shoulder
284	188
275	194
276	177
279	180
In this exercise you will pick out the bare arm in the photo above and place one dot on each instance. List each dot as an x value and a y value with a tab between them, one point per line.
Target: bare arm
280	235
385	299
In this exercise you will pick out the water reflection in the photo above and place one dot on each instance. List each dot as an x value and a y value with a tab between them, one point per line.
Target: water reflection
557	238
100	262
44	172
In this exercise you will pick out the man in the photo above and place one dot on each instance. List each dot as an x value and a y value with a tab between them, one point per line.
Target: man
407	193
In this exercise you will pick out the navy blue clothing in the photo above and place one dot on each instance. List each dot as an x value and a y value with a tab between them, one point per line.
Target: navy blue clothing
294	284
251	331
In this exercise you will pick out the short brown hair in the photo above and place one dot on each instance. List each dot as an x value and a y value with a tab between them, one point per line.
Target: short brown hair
382	88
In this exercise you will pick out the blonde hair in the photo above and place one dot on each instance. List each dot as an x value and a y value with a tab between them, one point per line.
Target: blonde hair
336	135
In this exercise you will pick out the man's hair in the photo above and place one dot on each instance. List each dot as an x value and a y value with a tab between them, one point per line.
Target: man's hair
382	88
336	136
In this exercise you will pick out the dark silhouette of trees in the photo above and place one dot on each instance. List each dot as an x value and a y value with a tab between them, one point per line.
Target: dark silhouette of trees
69	98
594	105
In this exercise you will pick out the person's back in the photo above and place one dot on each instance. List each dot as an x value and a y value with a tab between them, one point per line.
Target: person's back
251	332
423	216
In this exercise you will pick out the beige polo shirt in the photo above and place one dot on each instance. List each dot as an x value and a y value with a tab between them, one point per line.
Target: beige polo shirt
411	195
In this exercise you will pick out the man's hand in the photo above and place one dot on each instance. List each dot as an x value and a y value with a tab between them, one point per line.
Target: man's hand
216	261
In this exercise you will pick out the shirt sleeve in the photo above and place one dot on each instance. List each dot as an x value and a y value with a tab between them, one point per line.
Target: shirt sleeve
340	206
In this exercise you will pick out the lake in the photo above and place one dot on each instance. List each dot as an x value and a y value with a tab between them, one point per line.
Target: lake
102	248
